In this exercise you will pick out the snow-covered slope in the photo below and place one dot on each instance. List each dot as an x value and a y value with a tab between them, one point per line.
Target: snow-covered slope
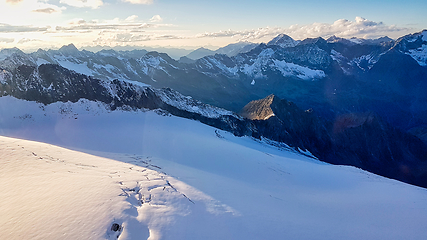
50	192
179	179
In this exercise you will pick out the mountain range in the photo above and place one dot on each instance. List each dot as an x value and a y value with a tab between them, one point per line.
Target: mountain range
346	101
230	50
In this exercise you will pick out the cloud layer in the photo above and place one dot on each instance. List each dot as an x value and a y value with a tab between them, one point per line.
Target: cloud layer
83	3
6	28
146	2
135	31
360	27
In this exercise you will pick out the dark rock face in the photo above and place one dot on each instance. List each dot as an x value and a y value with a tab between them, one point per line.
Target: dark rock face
283	121
362	140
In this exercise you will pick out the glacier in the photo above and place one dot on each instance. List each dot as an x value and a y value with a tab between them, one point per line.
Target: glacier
158	176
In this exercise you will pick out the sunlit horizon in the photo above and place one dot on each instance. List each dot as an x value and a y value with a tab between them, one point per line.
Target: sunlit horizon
51	24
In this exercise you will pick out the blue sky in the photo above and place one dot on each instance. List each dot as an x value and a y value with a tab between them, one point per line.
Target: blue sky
30	24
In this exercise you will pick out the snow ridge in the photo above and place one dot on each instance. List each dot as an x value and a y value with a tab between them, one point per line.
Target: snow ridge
291	69
419	54
187	103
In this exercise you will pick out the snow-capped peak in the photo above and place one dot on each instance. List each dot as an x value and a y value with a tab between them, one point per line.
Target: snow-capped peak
283	40
415	46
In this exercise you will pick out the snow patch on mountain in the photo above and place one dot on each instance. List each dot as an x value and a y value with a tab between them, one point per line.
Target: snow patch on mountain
187	103
342	61
110	68
149	63
365	61
419	54
291	69
256	68
212	63
4	76
337	56
74	64
269	116
41	61
356	40
266	60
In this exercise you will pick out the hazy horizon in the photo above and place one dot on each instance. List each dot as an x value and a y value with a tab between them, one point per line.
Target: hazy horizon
50	24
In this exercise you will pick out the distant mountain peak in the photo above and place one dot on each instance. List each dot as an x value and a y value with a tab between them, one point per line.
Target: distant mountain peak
69	49
335	39
234	49
200	53
318	40
283	40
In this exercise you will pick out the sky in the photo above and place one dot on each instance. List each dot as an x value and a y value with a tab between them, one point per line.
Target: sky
33	24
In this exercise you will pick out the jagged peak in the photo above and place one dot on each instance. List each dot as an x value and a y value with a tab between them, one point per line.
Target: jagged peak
69	49
317	41
40	51
259	109
335	39
157	54
9	52
203	48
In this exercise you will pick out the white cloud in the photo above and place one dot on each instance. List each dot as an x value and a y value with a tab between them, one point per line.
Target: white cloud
133	31
27	40
360	27
83	3
132	18
47	8
6	28
156	18
145	2
13	1
130	24
6	40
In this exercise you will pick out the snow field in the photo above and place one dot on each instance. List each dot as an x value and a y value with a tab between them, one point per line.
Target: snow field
203	184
